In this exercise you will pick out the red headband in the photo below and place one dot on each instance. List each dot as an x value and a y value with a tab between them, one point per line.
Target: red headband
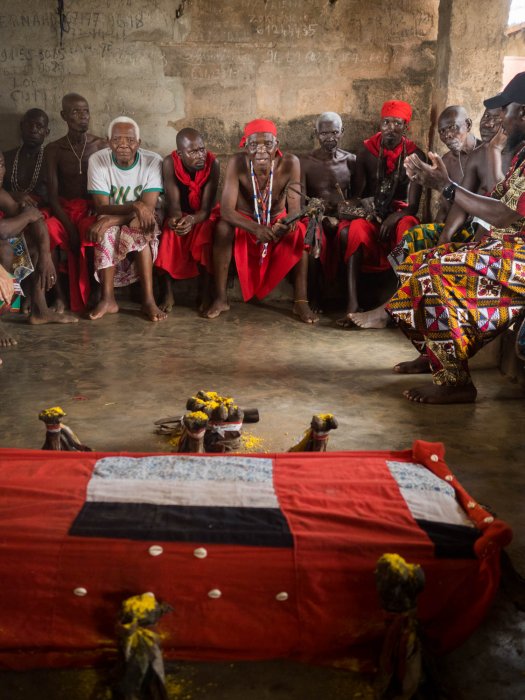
258	126
396	108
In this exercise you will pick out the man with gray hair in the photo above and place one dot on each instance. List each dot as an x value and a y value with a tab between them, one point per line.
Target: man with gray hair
326	173
125	182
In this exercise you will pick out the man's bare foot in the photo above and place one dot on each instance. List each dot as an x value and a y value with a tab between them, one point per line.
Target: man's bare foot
152	312
421	365
216	309
102	308
7	339
346	321
305	313
58	306
376	318
434	394
50	316
25	306
168	302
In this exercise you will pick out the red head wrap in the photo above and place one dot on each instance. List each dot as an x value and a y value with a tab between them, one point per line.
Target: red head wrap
258	126
396	108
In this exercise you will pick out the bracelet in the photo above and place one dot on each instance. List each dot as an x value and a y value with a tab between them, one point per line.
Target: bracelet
449	192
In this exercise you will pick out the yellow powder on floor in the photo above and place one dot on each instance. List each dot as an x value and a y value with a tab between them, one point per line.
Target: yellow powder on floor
251	443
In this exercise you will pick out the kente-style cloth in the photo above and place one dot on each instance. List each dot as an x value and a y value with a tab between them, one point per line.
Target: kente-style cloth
116	244
259	275
455	298
80	213
366	234
423	237
258	126
20	268
181	256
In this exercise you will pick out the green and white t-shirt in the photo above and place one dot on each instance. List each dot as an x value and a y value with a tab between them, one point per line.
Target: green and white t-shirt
124	185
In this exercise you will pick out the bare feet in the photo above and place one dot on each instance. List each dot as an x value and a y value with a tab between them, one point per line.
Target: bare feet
102	308
25	306
421	365
346	321
168	302
50	316
376	318
305	313
58	306
434	394
7	340
152	312
216	309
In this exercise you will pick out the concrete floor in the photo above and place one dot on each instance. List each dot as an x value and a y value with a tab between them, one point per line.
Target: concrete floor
115	377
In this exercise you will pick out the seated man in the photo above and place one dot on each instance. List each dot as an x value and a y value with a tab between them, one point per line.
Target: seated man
253	203
392	205
67	164
25	177
125	182
327	173
191	178
455	299
21	224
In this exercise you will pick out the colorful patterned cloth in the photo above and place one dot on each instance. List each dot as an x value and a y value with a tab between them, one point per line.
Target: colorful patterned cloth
423	237
455	298
117	243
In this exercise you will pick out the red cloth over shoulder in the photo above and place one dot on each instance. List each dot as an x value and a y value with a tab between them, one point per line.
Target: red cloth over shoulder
194	185
373	144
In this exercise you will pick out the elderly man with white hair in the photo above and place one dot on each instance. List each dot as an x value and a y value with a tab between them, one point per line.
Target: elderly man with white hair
125	182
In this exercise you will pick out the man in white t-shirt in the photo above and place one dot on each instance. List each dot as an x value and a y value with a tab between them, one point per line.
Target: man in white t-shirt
125	182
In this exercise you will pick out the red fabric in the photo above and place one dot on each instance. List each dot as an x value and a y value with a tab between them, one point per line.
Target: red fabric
194	185
344	510
78	211
366	233
259	126
256	278
397	108
180	256
373	144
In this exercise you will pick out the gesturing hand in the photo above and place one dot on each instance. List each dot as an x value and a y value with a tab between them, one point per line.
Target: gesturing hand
434	175
7	288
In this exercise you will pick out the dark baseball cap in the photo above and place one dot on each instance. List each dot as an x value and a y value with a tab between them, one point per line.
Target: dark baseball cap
514	92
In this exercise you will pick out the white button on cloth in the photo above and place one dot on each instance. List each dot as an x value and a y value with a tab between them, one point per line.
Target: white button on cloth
471	504
449	477
80	592
434	458
489	519
200	553
214	593
155	550
281	596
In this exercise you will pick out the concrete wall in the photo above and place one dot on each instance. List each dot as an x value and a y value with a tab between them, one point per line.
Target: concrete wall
215	64
219	64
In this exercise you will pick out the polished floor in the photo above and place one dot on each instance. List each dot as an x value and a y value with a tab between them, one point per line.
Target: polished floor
116	376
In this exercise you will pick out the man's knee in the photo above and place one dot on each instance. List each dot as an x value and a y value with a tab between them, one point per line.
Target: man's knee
343	235
224	233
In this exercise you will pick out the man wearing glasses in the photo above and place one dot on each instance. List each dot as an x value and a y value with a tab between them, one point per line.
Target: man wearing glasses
382	188
255	199
125	182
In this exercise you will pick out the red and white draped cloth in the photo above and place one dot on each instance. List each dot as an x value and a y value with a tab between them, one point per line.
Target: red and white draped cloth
181	256
258	275
80	212
287	544
116	244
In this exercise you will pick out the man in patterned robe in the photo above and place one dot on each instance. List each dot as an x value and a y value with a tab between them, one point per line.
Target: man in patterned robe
454	300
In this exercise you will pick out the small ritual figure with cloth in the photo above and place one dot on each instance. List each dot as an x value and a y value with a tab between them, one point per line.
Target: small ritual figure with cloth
255	199
388	199
191	177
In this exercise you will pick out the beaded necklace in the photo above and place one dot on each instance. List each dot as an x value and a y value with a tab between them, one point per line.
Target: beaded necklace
15	186
262	203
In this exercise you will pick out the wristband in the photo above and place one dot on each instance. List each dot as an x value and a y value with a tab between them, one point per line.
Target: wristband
449	192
